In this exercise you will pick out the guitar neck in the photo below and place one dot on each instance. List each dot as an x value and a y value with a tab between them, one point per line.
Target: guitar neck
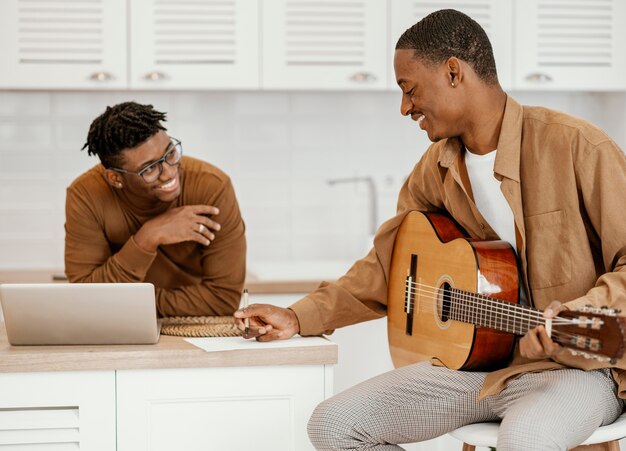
480	310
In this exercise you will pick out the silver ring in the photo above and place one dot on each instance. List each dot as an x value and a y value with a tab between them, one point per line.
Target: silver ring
201	229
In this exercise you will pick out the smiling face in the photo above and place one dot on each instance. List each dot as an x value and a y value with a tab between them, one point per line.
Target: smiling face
164	189
428	95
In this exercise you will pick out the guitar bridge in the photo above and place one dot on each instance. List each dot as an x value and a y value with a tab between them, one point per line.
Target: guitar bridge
409	296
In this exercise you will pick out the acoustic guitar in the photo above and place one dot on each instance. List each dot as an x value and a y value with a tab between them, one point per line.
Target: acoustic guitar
454	301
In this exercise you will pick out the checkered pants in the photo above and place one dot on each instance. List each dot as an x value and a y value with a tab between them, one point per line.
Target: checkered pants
550	410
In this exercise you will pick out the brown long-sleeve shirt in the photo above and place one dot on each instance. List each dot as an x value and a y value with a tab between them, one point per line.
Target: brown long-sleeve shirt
190	279
565	181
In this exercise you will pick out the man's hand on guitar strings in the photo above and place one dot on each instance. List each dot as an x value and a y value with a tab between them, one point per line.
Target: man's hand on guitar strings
536	344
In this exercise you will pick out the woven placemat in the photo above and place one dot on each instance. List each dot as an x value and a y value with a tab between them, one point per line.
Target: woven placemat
200	326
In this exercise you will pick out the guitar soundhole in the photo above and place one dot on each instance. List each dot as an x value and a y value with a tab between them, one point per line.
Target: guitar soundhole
445	301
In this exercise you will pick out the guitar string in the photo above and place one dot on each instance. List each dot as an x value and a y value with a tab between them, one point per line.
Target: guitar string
484	300
502	308
562	336
499	308
515	328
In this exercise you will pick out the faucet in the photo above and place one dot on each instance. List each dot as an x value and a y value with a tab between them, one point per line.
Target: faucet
371	185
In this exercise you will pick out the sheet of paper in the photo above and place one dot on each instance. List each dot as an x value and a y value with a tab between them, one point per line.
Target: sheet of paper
215	344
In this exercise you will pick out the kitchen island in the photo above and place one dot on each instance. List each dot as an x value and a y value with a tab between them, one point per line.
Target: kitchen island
171	395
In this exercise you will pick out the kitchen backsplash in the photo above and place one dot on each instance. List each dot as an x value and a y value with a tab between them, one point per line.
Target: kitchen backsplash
280	148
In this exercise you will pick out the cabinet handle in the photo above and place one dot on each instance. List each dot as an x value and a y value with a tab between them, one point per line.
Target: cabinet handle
363	77
101	76
155	76
538	77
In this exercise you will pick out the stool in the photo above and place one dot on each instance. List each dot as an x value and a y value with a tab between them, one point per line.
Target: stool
486	434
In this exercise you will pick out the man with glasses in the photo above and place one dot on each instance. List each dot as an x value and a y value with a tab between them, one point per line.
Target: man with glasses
148	214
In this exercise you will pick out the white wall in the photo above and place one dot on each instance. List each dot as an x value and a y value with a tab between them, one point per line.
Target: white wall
280	149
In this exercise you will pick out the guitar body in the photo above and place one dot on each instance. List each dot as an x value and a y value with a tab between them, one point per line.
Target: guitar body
435	251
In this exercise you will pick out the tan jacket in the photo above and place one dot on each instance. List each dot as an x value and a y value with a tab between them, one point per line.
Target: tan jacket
565	181
190	279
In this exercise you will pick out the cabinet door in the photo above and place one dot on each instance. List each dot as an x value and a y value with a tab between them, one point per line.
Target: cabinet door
221	409
58	44
570	44
58	411
495	16
194	45
324	45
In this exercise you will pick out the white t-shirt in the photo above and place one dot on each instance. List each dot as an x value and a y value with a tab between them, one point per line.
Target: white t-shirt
491	202
488	196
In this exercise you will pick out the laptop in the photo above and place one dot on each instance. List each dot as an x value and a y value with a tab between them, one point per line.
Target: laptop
80	313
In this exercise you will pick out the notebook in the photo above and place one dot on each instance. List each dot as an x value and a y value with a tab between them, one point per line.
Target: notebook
79	313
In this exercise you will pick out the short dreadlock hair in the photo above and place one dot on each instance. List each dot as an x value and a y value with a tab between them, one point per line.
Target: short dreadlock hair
120	127
447	33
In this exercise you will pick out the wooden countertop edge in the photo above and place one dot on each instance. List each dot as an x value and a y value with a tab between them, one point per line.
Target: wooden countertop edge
169	352
115	360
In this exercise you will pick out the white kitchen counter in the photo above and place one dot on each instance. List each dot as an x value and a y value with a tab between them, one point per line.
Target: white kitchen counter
300	276
169	352
298	270
171	395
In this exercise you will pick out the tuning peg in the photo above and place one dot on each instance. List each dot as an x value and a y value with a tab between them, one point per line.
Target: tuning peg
609	311
604	310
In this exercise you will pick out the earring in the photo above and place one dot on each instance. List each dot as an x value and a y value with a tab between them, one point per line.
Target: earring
452	84
119	185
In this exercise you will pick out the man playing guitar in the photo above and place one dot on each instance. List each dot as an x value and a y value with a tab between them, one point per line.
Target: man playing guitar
550	185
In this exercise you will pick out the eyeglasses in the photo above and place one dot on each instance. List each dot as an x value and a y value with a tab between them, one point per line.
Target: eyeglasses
153	171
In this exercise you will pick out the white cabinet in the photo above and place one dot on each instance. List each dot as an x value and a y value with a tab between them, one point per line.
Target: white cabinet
222	409
58	411
324	45
495	16
294	44
141	44
59	44
570	44
172	395
194	45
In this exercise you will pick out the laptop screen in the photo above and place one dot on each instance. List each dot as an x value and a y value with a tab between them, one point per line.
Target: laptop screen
79	313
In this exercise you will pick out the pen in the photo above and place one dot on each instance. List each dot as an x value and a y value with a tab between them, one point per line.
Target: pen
246	321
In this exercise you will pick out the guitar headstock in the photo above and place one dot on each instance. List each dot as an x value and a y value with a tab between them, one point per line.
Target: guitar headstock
592	332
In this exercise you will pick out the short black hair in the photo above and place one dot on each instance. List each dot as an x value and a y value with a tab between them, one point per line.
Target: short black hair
447	33
120	127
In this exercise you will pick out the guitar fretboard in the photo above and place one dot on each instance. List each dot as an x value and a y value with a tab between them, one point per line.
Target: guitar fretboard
480	310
